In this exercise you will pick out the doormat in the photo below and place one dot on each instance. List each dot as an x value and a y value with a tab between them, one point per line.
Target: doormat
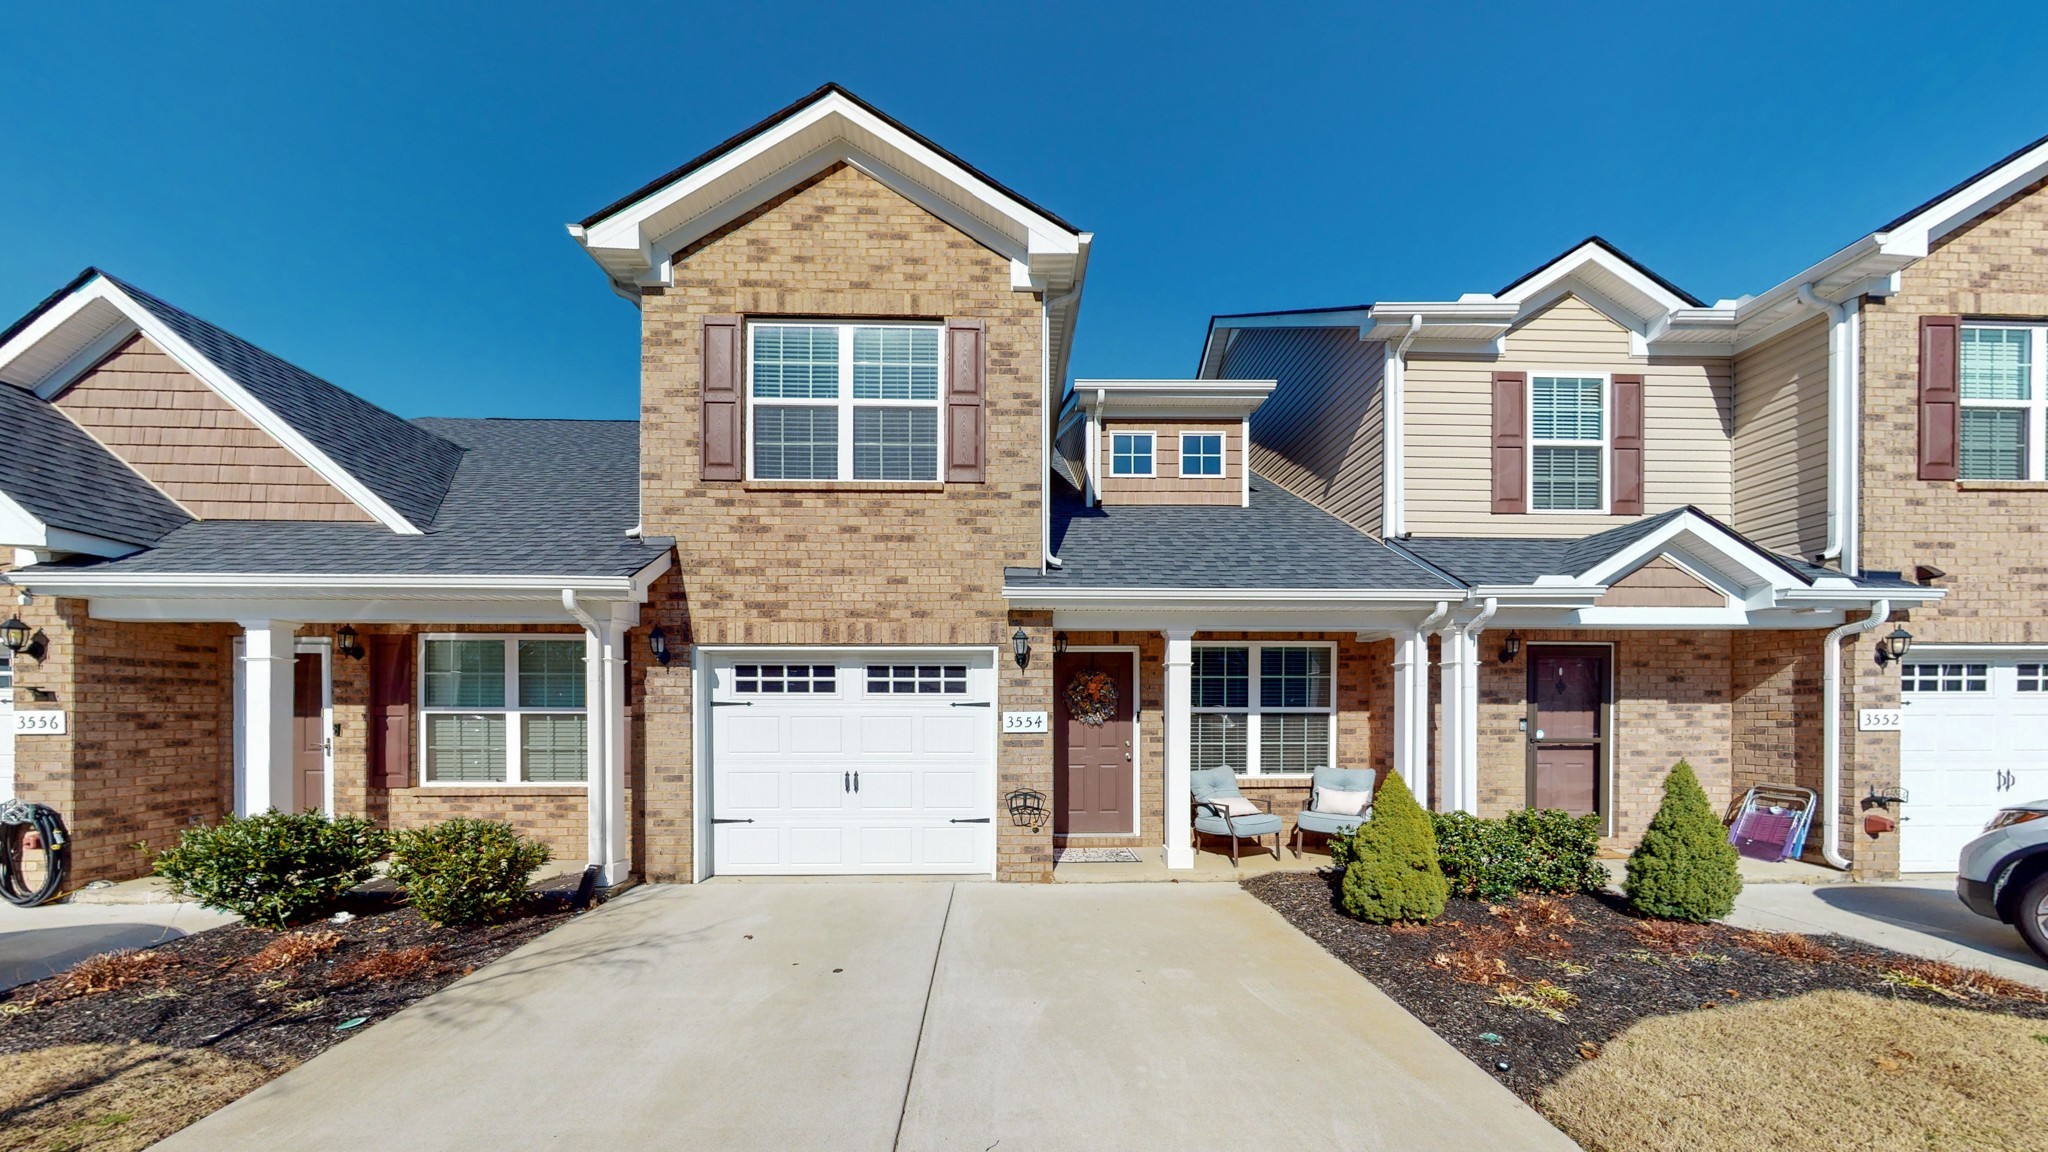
1096	856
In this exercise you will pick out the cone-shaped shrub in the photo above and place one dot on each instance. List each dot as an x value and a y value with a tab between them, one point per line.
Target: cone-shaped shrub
1391	873
1684	869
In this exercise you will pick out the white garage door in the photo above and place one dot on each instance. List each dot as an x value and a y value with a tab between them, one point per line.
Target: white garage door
830	762
1975	739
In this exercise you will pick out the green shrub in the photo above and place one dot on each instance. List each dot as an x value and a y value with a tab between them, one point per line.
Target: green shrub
1684	869
1391	872
465	871
275	869
1528	850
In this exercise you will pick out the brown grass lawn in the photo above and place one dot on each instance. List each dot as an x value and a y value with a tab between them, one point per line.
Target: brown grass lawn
1831	1070
112	1097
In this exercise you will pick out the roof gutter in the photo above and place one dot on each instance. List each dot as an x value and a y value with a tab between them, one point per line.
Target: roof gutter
1393	380
1843	354
1831	731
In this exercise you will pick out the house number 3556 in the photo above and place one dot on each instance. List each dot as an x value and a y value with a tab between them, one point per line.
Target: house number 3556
46	723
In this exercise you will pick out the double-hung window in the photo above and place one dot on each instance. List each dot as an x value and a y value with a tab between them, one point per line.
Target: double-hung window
2000	369
844	401
1201	454
502	710
1263	709
1567	443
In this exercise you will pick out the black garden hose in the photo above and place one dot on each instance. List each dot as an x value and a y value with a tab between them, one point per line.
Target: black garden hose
17	822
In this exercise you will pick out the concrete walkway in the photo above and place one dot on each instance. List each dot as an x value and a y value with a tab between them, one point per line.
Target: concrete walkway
39	942
1918	917
883	1016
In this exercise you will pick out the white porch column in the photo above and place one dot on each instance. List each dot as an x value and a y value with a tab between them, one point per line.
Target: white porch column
1180	680
1450	745
264	777
1411	711
604	698
1468	723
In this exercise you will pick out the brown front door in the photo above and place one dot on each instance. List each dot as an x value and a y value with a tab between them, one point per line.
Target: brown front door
309	734
1091	786
1568	722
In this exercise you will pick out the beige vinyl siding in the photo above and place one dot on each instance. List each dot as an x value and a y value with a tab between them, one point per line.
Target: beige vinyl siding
1781	441
1166	485
1319	434
1449	426
199	449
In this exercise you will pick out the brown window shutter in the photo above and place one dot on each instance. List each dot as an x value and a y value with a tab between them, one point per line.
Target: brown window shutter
966	353
391	689
1510	442
1940	396
723	446
1628	447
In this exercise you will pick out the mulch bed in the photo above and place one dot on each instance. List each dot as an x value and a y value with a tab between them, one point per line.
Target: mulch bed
209	991
1614	967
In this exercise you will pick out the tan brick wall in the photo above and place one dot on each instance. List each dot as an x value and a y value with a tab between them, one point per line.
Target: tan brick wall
779	564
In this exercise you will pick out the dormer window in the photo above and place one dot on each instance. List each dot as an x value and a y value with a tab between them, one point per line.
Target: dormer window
1130	454
1201	454
844	401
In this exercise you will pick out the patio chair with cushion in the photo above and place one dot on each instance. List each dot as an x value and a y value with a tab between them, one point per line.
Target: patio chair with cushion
1338	802
1221	810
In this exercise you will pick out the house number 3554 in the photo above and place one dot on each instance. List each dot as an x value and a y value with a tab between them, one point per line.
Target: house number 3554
1024	722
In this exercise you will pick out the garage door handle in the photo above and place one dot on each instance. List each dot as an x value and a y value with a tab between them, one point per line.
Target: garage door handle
970	703
732	703
970	820
745	820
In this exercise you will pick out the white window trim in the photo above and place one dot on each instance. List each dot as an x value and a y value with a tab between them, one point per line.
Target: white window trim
1605	443
515	768
845	402
1222	456
1151	456
1254	708
2036	406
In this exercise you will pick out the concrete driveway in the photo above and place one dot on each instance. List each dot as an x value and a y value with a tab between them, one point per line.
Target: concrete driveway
897	1016
1918	917
39	942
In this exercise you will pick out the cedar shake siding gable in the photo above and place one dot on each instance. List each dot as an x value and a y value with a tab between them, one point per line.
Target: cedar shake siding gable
195	446
1320	435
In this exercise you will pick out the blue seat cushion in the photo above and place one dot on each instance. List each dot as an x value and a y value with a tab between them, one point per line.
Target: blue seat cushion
1212	783
1347	779
1329	822
1263	824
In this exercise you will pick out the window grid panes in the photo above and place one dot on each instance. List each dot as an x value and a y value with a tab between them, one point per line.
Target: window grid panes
2033	678
1263	709
1130	454
1567	443
917	679
502	710
2000	430
803	384
1944	677
1201	454
784	679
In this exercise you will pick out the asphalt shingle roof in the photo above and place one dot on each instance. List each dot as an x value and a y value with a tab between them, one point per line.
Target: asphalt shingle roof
67	479
404	463
531	498
1280	542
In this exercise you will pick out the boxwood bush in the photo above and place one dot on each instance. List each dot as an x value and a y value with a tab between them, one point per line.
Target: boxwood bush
275	869
1528	850
465	871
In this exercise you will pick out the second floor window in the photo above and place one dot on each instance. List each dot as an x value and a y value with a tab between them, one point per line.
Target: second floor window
2002	397
844	401
1567	443
1201	454
1130	454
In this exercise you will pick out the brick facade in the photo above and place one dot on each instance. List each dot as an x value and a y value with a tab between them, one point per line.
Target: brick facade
840	563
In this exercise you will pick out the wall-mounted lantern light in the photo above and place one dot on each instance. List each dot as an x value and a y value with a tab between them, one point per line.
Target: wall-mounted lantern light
1059	643
657	643
1510	648
1894	646
1021	645
20	639
346	643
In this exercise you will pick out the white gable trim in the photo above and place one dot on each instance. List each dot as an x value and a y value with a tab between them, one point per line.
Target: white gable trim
102	292
1913	237
1690	536
1540	284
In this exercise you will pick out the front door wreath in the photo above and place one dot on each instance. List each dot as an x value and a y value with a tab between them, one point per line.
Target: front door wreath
1091	696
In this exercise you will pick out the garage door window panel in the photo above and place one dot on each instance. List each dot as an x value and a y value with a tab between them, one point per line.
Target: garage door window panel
1945	678
845	401
503	710
784	679
917	679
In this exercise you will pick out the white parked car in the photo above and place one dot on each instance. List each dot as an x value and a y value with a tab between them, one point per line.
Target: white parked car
2003	874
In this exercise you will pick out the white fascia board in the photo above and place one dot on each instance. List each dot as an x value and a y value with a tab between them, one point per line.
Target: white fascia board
208	373
1721	542
1110	599
1544	280
1463	322
1861	598
1916	234
64	314
20	528
625	231
1168	399
312	585
355	610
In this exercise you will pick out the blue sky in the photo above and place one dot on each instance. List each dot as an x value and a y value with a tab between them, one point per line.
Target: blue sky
377	192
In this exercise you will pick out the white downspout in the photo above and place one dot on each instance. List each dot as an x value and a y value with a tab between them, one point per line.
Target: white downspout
1393	405
1842	430
1831	731
1045	430
1468	710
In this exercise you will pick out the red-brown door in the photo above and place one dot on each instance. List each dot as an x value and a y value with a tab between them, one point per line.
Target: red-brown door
1092	793
1568	721
309	734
